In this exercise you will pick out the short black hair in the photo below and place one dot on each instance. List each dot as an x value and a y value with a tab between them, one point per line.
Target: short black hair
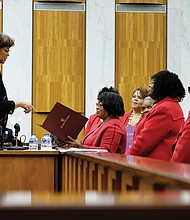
6	41
166	83
112	103
106	89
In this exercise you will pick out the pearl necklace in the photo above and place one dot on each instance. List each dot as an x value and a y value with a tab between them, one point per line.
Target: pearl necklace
137	117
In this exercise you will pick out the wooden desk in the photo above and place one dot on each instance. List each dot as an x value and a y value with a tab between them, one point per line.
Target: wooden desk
29	170
78	172
93	205
108	172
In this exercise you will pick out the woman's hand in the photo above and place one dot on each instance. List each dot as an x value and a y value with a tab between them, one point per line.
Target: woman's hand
73	142
25	105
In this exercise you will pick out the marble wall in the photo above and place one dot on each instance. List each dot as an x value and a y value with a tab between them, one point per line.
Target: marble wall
178	50
100	52
17	71
100	49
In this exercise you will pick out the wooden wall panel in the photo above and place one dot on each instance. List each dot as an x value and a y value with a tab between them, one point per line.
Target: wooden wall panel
37	120
58	61
140	50
142	1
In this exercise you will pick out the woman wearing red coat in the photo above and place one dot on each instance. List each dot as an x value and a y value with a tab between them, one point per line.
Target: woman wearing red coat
110	134
94	121
132	118
182	145
157	131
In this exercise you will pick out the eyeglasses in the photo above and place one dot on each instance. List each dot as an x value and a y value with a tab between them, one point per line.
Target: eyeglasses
99	104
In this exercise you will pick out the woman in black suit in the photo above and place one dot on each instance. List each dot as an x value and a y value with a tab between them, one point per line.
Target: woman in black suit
8	106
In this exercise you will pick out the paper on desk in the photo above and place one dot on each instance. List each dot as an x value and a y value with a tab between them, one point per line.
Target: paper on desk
73	149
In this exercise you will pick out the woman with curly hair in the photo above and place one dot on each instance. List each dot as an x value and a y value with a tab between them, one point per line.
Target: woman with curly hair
157	131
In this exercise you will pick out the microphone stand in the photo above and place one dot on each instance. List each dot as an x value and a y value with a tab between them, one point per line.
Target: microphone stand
16	138
16	147
1	138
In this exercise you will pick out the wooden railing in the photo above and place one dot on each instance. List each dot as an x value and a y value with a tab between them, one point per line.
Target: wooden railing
107	172
78	172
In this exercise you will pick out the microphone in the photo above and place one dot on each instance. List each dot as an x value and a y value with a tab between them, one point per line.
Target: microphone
17	129
16	147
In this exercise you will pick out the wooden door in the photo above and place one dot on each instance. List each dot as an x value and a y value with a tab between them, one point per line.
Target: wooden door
58	58
140	46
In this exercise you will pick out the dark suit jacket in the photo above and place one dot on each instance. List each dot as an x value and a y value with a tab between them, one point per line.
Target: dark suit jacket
6	106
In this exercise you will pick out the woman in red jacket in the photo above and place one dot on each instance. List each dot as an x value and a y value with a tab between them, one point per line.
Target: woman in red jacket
110	134
157	131
94	121
181	147
132	118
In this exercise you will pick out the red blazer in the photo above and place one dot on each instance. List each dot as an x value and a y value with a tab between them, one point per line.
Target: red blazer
182	144
93	122
125	117
110	135
157	131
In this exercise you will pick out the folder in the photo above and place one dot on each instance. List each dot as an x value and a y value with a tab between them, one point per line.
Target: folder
63	121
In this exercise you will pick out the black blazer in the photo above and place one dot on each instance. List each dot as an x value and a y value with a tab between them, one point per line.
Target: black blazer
6	106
